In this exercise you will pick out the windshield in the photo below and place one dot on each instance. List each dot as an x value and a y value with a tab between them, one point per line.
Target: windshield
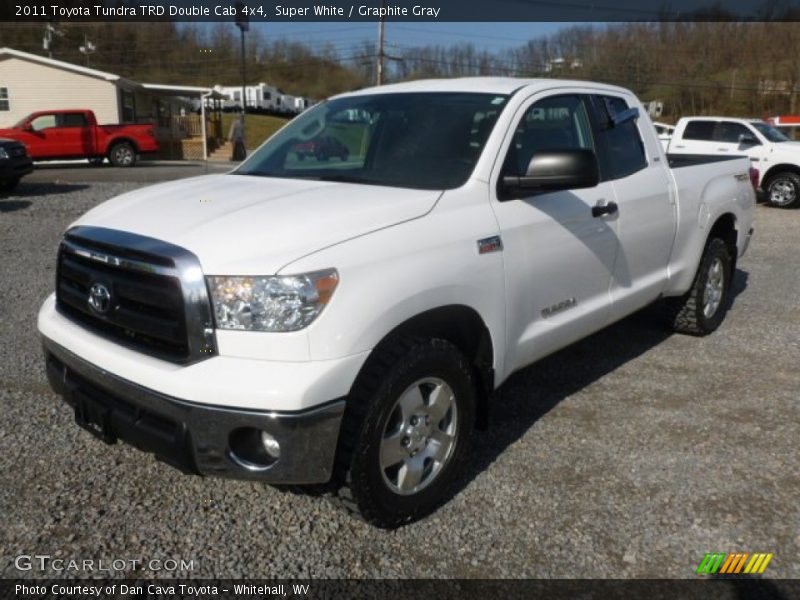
415	140
769	132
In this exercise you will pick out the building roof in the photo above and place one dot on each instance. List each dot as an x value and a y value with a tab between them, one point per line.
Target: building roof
59	64
179	90
171	90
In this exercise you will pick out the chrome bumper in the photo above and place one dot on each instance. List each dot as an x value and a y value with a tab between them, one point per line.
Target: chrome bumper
195	438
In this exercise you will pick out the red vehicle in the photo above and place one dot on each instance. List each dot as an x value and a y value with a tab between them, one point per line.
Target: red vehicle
321	148
66	134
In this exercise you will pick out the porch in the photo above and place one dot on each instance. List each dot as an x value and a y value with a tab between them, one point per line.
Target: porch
187	120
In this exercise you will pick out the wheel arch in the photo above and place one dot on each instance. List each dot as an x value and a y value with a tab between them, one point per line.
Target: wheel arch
779	168
462	326
726	229
118	140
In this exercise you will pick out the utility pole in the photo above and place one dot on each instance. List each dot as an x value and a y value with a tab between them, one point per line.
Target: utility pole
382	56
50	32
87	49
243	23
381	40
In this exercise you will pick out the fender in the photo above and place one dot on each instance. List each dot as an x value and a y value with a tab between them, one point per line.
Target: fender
392	275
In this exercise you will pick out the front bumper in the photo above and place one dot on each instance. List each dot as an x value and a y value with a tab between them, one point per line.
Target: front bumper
195	438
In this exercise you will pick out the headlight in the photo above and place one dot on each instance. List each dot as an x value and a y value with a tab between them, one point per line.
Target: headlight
3	153
273	303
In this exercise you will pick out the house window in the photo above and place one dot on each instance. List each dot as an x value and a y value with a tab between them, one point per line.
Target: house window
128	107
4	105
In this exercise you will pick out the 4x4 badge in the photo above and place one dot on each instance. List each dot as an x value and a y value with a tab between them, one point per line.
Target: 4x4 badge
490	244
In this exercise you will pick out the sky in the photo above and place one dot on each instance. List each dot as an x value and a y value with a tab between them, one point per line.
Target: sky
343	35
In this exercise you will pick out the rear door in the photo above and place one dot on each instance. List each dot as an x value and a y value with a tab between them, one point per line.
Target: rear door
558	258
631	160
75	134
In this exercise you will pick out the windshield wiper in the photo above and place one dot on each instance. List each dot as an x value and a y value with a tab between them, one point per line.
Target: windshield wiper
345	179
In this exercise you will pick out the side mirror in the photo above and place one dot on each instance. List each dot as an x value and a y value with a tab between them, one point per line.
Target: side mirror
554	170
27	127
748	139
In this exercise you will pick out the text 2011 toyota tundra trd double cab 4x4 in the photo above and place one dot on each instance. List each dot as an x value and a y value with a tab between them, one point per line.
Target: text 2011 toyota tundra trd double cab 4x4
346	320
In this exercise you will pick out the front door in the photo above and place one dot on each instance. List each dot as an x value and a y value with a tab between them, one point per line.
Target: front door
42	139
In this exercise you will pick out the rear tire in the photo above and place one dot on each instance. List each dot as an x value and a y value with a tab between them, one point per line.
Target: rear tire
783	190
122	154
406	431
701	310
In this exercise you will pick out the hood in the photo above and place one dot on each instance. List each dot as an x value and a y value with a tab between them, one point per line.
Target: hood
248	225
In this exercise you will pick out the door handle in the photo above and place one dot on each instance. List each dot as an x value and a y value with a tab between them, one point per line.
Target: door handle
604	209
723	149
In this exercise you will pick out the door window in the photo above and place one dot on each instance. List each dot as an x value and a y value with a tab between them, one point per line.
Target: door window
622	147
727	132
43	122
702	131
73	120
555	123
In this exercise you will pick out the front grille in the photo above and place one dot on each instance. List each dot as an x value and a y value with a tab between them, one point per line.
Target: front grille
145	310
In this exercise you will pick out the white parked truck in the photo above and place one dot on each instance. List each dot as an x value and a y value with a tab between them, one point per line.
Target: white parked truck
771	152
345	322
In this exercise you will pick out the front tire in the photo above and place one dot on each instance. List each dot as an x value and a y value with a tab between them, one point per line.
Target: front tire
9	184
783	190
406	432
122	154
701	310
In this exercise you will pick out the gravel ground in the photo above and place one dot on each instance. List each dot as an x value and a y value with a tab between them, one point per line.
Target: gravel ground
630	454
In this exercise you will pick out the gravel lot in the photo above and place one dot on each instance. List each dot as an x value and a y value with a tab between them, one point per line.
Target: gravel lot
630	454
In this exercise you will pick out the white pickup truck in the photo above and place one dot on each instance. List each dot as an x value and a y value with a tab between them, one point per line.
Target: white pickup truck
775	156
344	320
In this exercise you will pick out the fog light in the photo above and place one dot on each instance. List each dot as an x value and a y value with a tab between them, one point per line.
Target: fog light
253	448
271	445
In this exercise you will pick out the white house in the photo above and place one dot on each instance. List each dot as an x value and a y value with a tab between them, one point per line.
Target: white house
29	83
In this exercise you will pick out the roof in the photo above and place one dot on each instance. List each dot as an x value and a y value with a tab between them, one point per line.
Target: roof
173	90
58	64
487	85
718	118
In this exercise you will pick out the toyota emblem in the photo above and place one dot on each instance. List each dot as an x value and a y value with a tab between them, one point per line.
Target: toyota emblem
99	298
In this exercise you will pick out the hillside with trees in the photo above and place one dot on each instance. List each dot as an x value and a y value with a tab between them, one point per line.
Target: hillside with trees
748	69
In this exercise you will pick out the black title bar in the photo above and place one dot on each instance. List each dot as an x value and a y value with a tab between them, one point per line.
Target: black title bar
733	588
400	10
